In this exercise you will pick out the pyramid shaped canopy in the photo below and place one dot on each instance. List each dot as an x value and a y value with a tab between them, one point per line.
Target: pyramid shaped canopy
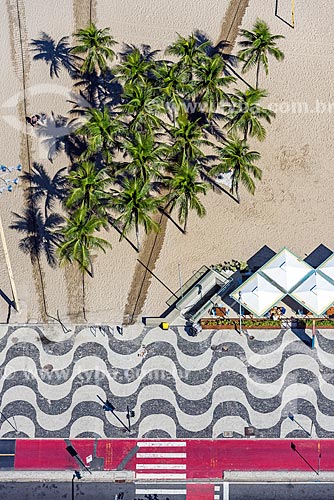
286	270
327	267
257	294
316	293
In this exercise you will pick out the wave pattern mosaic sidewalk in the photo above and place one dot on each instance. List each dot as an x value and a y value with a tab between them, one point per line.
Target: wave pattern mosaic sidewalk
178	386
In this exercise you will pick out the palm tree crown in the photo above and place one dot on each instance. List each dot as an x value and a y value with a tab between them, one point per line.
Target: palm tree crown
210	84
184	190
101	130
135	205
96	45
88	189
256	47
244	113
79	240
146	155
235	156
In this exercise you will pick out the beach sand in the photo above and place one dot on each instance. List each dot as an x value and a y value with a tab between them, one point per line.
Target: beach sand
292	205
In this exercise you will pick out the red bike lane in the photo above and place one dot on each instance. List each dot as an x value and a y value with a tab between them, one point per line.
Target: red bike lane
197	459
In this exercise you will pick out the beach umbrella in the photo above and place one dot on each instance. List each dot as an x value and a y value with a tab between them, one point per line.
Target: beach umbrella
286	270
257	294
316	293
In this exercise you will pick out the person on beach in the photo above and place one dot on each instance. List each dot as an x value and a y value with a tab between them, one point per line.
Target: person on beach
33	120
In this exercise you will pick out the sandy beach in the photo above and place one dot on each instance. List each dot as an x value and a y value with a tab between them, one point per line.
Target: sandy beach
292	205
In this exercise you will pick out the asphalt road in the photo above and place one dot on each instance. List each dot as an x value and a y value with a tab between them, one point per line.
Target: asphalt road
128	491
275	491
59	491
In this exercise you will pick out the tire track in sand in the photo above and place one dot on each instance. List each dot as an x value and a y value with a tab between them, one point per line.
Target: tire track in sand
232	22
18	40
141	279
84	13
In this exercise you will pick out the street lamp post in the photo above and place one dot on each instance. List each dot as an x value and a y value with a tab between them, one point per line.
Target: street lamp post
7	185
107	406
292	418
77	475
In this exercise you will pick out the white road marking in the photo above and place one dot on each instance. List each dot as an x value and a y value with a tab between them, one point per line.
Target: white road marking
161	455
161	466
160	476
160	492
217	488
161	444
226	491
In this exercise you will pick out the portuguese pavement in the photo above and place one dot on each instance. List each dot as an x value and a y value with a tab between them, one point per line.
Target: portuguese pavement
180	387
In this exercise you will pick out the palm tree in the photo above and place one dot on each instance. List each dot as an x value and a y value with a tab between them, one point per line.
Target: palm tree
143	106
244	113
187	138
96	46
101	131
235	156
184	189
88	189
79	242
55	54
189	50
210	83
134	68
147	155
172	85
135	204
257	46
41	185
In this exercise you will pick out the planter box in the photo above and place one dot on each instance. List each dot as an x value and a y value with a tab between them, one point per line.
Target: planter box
262	324
233	324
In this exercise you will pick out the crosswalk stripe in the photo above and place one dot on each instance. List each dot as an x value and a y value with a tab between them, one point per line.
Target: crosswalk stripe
161	444
161	455
140	475
160	492
161	466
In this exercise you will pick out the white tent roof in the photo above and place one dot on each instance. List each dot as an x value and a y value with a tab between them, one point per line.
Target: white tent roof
286	270
316	293
327	267
258	295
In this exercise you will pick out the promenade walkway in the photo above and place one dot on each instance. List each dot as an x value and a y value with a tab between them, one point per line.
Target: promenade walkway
210	386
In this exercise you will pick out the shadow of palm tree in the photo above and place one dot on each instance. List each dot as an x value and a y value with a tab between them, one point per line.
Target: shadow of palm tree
58	133
56	55
231	61
43	185
145	50
41	235
99	90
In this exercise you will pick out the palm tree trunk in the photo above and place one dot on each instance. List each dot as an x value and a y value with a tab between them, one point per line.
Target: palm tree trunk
137	238
237	193
83	296
257	74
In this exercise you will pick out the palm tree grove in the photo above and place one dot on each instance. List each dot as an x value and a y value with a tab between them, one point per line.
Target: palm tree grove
146	136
